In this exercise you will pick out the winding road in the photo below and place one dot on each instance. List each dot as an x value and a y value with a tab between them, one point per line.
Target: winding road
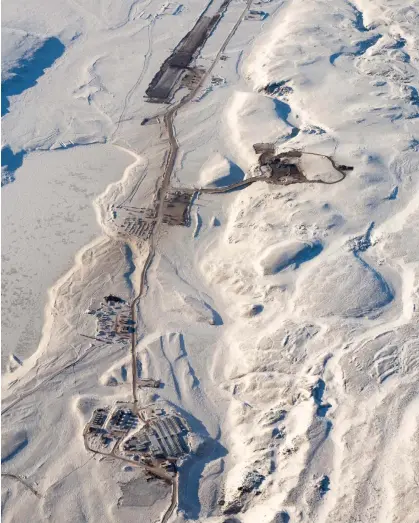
168	119
253	179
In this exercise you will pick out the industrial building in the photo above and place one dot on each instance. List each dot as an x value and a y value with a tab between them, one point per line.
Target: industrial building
163	436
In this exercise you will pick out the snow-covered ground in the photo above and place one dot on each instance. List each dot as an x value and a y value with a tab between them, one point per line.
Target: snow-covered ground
282	322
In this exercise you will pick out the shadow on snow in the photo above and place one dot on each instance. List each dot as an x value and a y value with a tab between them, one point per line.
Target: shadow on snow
26	73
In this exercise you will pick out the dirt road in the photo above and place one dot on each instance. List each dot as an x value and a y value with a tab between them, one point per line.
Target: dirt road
161	194
168	119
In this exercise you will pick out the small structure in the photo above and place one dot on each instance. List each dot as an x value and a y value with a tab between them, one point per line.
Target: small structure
278	89
141	226
115	299
122	420
149	382
192	77
99	418
217	80
171	8
260	148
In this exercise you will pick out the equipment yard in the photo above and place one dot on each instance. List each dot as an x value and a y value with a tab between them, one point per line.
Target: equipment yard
113	320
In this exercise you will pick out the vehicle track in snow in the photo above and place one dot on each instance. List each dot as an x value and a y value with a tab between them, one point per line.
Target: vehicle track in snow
23	481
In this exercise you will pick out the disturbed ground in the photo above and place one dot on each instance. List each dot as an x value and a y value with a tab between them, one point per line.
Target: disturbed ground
281	320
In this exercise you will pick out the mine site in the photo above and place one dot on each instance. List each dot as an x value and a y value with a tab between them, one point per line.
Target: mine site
210	290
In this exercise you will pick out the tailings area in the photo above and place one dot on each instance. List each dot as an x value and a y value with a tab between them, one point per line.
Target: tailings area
181	60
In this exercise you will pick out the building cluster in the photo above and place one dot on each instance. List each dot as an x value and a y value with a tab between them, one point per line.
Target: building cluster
280	168
99	418
163	436
153	436
123	420
113	320
109	425
176	207
96	435
138	226
139	222
193	77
